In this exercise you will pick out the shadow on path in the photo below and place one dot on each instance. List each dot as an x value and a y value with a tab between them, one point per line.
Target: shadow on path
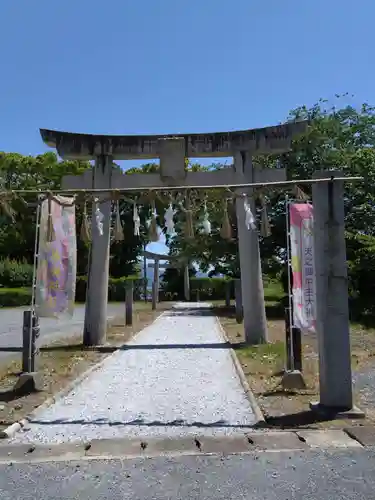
141	423
296	420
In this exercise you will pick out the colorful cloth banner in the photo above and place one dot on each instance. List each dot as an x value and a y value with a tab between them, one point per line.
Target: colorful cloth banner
303	269
57	260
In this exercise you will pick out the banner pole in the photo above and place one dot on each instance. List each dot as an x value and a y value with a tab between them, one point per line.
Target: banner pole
289	271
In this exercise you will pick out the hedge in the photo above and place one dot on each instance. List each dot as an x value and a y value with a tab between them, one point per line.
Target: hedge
116	288
15	274
211	288
16	297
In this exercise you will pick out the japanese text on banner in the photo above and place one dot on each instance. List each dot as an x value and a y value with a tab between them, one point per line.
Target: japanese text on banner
303	272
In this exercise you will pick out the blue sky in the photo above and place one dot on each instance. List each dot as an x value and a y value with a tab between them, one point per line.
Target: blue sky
169	66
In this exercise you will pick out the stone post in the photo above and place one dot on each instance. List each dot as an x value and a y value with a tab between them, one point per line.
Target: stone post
154	295
145	274
254	312
95	328
331	281
238	300
186	283
129	293
228	286
156	279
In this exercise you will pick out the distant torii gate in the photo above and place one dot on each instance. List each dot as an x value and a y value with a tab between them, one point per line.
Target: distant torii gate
174	261
172	151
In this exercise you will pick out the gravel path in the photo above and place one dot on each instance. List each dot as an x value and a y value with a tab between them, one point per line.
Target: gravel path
175	378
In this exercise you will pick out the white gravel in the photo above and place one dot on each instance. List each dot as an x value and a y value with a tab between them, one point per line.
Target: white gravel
175	379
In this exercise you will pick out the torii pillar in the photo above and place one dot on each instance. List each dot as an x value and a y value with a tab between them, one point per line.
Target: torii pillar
254	310
95	325
172	151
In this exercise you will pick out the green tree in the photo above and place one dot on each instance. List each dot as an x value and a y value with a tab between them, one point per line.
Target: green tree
339	137
17	237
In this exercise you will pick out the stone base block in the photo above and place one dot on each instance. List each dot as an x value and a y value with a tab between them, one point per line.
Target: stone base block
293	379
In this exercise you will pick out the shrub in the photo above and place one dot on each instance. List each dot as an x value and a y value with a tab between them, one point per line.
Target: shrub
211	288
116	288
15	274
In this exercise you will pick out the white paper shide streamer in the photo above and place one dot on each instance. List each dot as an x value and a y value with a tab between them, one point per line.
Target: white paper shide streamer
249	217
136	220
168	218
99	217
206	223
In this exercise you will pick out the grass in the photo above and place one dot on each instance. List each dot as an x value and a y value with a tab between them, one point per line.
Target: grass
263	366
60	362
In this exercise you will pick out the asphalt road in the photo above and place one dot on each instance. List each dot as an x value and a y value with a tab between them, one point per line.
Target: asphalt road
306	475
50	329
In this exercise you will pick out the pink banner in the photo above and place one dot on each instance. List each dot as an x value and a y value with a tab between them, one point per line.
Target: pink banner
303	269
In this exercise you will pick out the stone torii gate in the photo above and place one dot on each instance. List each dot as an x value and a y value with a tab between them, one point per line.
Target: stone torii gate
174	261
172	151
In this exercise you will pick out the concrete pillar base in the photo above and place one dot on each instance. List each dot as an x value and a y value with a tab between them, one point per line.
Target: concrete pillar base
333	412
293	379
28	383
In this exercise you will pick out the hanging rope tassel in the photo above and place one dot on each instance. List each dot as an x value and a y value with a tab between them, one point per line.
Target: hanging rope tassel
50	229
206	222
189	224
118	232
153	229
85	227
300	195
136	220
226	229
265	227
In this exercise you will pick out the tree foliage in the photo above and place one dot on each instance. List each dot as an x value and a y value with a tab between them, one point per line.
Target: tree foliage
45	172
17	237
339	137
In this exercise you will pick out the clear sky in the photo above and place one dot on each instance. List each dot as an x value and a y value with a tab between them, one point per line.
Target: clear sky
169	66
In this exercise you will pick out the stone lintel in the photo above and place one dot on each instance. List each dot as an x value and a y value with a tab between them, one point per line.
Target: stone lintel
151	265
268	140
173	259
223	177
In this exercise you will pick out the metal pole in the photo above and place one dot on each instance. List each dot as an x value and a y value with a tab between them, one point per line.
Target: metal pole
288	341
289	349
29	317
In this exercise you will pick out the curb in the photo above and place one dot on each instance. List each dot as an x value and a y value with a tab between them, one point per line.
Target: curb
130	448
241	375
10	431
